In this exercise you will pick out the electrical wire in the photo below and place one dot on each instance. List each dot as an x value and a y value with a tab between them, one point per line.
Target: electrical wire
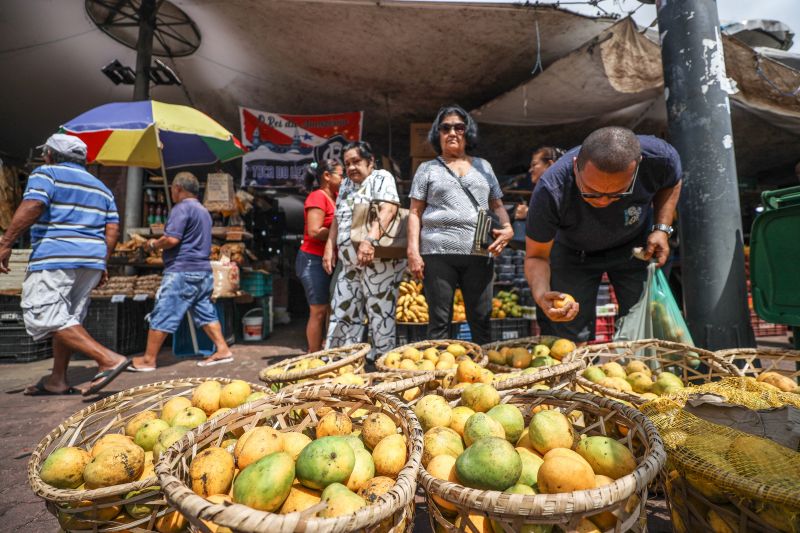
45	43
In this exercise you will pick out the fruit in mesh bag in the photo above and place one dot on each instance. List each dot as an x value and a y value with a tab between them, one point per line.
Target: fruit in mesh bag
779	381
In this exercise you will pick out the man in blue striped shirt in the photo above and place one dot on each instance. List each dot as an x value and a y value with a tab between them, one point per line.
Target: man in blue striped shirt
74	227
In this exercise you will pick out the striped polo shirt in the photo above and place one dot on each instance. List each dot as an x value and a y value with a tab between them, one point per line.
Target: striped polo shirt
70	233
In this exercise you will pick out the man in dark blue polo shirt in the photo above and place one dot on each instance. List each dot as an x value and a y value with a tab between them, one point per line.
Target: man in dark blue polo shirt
589	210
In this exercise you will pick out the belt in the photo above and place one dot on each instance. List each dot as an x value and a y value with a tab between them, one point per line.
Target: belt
617	251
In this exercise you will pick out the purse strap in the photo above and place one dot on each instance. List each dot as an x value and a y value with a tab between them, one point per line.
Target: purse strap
475	203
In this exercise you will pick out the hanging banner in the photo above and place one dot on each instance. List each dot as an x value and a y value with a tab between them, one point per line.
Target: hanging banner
280	146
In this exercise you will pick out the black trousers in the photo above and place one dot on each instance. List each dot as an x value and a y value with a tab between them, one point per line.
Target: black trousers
474	274
580	274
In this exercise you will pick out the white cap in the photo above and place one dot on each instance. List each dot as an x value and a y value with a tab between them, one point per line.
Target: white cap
67	145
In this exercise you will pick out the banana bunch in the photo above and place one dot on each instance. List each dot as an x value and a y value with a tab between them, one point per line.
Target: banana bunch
411	304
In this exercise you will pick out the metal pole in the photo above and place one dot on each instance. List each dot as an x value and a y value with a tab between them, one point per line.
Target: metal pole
698	111
141	91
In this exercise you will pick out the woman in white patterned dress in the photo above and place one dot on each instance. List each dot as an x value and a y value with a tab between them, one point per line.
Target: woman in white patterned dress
442	222
366	286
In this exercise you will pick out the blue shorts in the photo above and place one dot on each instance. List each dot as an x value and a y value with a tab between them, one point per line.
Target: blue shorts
315	280
181	292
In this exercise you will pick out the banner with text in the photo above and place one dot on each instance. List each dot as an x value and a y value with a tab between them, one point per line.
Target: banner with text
280	146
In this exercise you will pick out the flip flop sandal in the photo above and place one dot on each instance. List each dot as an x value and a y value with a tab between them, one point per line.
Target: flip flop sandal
132	368
39	390
214	362
107	376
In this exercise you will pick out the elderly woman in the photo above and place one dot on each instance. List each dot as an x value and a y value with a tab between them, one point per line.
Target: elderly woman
324	177
442	223
366	285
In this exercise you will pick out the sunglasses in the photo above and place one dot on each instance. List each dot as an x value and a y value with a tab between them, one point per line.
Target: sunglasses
458	127
612	195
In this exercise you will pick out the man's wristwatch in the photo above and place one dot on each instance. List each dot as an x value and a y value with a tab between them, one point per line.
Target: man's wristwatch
373	242
662	227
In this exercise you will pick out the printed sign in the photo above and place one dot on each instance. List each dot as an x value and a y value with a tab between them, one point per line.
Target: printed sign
280	146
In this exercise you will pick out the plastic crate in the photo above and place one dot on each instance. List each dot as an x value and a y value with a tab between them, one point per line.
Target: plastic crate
765	329
460	331
16	346
604	329
182	339
121	326
507	329
256	283
10	310
408	332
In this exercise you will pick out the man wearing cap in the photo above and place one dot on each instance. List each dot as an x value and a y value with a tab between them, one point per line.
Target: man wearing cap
74	228
588	211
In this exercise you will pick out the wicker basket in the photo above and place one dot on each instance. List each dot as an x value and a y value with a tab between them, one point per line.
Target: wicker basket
555	377
109	415
473	351
567	509
657	354
389	382
526	342
279	375
753	362
393	512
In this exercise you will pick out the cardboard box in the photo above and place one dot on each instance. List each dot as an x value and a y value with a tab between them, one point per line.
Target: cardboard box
418	143
416	162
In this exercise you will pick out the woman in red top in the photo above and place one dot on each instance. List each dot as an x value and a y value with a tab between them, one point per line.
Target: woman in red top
320	205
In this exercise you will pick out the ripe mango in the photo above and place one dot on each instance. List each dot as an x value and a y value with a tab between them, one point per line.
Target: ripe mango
363	470
111	440
432	411
136	422
333	424
441	441
375	427
376	487
191	417
480	397
299	499
443	467
211	472
606	456
294	442
550	429
390	455
340	501
530	466
510	417
173	406
265	484
206	396
114	466
481	425
491	463
459	417
255	444
148	433
63	469
564	474
234	393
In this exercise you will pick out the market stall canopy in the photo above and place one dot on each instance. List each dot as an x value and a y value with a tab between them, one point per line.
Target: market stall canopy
397	61
617	78
151	134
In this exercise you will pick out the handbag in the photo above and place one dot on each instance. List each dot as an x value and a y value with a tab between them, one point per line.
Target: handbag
487	220
393	240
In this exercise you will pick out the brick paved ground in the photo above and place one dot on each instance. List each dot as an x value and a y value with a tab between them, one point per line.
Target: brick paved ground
25	420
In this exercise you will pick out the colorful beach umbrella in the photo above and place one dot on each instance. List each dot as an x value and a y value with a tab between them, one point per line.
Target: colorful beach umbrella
152	134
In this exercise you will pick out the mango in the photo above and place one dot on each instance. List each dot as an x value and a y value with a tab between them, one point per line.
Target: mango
173	406
363	470
530	467
491	463
594	374
441	441
376	487
459	417
482	425
550	429
480	397
191	417
324	461
95	511
206	396
299	499
607	456
334	424
111	440
265	484
211	472
784	383
456	350
616	383
432	411
637	365
141	509
114	466
564	474
340	501
354	442
390	455
148	470
167	438
468	371
63	469
219	412
219	499
136	422
510	417
148	433
497	527
496	357
640	382
612	369
520	358
564	452
480	523
294	442
561	348
253	396
255	444
375	427
234	393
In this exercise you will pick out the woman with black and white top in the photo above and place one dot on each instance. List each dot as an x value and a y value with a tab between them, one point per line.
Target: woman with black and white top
442	222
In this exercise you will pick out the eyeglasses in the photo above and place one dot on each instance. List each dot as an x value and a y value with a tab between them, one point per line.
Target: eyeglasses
612	195
458	127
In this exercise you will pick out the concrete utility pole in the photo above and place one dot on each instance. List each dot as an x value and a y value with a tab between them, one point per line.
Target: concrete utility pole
141	91
698	111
